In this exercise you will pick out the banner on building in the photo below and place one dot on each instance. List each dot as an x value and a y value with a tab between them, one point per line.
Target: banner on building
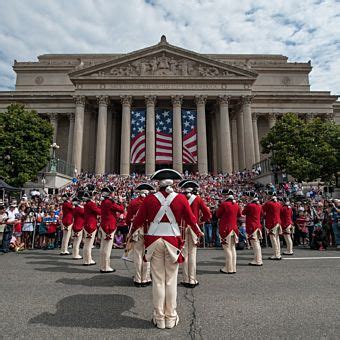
189	133
138	136
163	136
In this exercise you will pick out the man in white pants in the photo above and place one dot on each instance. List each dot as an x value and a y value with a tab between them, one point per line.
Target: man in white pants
108	226
67	221
91	213
272	210
202	214
78	225
253	212
162	214
142	268
287	226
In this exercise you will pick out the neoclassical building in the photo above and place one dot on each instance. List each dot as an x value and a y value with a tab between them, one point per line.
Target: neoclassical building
237	98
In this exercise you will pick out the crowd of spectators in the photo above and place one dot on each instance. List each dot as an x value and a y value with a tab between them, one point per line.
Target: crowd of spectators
34	221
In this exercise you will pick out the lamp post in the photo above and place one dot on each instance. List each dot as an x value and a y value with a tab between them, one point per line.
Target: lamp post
54	147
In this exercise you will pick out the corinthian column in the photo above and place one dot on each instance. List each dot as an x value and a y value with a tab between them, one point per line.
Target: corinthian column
103	101
240	139
78	132
54	122
271	120
256	137
248	132
114	144
201	135
125	136
150	156
234	142
214	128
109	154
226	157
177	133
70	138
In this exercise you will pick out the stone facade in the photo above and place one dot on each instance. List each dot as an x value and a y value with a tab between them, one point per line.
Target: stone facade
88	99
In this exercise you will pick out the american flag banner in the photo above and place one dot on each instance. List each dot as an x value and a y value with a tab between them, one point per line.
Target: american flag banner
138	136
189	129
163	136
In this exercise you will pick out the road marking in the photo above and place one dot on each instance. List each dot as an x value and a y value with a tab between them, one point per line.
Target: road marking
311	258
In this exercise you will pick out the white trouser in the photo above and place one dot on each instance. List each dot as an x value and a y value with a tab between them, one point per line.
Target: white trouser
230	256
255	243
289	242
105	251
142	268
275	240
189	253
76	245
66	239
87	249
164	285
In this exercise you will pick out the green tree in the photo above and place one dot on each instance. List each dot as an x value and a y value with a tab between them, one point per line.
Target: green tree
305	150
25	140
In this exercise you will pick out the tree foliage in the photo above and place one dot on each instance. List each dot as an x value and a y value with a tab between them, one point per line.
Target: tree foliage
305	150
25	140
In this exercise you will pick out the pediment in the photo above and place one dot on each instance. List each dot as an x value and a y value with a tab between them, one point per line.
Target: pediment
162	61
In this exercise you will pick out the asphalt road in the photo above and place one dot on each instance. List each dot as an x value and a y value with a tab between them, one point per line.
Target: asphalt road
46	296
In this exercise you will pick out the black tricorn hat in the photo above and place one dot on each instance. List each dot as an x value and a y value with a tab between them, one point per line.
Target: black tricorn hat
227	192
66	195
80	194
190	184
166	174
87	194
182	182
106	189
253	194
91	187
145	186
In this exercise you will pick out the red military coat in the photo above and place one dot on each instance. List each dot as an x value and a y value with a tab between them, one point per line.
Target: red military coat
108	215
182	213
78	219
200	210
228	213
286	216
272	211
253	212
91	211
67	209
133	209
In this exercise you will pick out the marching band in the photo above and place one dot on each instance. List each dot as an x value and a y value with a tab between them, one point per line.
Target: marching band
165	230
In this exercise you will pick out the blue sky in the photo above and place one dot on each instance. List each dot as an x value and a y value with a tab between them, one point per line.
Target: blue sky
302	30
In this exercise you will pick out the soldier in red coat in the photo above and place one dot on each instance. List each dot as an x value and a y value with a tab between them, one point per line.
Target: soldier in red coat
78	225
91	214
272	210
286	215
66	223
162	215
108	210
202	214
142	269
253	212
228	213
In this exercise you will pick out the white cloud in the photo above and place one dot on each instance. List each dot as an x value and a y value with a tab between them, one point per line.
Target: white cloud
302	30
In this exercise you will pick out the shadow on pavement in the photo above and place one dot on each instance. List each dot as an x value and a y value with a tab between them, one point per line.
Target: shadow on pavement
93	311
63	267
103	280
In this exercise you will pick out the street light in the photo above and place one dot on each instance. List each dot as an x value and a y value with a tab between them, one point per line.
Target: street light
54	147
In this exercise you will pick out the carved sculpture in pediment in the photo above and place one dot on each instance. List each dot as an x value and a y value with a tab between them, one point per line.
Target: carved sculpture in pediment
164	65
